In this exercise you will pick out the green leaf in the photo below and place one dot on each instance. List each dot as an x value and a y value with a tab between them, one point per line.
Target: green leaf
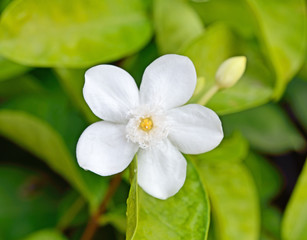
233	13
282	35
25	84
231	149
294	223
28	202
176	24
303	71
73	33
209	51
183	216
3	4
233	198
9	69
268	181
264	172
46	234
72	210
296	97
43	141
267	128
72	81
117	217
271	222
137	63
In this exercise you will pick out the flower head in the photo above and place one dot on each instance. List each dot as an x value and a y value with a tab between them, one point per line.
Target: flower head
150	122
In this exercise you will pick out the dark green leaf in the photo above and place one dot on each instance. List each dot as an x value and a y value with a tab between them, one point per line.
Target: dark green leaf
271	222
28	202
25	84
267	128
264	172
9	69
72	81
137	63
296	97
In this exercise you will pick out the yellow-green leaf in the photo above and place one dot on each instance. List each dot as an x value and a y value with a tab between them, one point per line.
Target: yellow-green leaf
234	201
73	33
294	223
207	53
176	24
282	30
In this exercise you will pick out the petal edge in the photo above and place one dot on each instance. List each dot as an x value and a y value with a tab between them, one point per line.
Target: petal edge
103	149
110	92
161	170
169	81
195	129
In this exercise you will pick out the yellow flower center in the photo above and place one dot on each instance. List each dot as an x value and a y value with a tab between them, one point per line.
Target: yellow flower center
146	124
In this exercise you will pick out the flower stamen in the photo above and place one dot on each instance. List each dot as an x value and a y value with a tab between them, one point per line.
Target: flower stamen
146	124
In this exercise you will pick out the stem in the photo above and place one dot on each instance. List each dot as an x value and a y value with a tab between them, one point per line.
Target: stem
205	99
71	213
92	225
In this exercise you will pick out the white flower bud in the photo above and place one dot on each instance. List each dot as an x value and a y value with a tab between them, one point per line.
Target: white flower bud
230	71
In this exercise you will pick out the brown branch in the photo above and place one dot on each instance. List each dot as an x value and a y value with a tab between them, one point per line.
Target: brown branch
92	225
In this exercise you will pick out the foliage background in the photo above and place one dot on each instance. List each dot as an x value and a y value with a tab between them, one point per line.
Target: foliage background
244	188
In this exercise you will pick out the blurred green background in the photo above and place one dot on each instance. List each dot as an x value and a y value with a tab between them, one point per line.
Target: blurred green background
45	48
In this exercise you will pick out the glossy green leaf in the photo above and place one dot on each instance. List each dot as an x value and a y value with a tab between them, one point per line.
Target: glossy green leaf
209	51
72	81
283	36
232	149
234	201
41	139
28	201
9	69
176	24
183	216
46	234
267	128
294	223
73	33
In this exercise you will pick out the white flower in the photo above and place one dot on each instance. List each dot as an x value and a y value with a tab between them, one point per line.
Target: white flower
150	122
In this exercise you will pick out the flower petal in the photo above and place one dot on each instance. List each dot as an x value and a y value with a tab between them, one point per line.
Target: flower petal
104	149
169	81
195	129
110	92
161	170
